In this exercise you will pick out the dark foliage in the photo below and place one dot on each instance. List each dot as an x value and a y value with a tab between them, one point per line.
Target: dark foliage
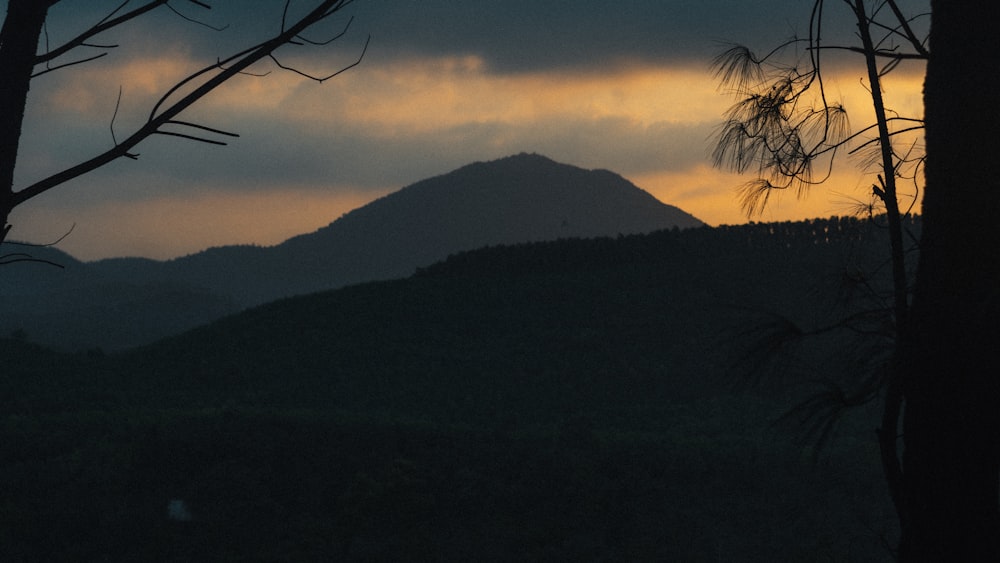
570	400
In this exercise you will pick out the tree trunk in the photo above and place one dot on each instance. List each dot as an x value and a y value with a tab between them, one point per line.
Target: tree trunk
18	45
951	459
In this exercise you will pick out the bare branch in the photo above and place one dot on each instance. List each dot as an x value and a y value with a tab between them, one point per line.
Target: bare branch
347	26
202	127
197	21
877	141
325	78
109	22
49	69
61	238
195	137
164	113
15	257
190	137
908	31
114	115
881	53
105	24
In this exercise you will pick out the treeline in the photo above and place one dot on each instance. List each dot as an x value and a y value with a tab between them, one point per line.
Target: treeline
671	246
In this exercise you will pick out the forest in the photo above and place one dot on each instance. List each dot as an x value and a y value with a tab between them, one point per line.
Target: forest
622	398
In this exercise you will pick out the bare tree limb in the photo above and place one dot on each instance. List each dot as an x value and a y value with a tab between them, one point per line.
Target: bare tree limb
202	127
881	53
15	257
322	79
191	137
102	26
197	21
108	22
164	113
49	69
918	45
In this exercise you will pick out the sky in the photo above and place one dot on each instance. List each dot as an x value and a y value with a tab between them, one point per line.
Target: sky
624	86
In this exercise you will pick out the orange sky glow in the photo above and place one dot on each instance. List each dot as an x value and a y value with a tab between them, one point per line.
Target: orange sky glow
651	124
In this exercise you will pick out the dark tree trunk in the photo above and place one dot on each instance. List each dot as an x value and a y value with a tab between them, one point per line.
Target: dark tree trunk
18	45
951	461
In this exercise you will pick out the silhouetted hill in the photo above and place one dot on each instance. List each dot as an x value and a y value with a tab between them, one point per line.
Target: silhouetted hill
125	302
32	269
516	199
567	400
551	309
544	314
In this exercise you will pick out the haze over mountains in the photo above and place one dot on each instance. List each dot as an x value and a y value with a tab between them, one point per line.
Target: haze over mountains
124	302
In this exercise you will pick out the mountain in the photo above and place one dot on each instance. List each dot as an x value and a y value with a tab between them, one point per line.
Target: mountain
516	199
521	198
125	302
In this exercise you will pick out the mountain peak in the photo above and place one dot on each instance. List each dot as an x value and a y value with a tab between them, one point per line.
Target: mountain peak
525	164
519	198
521	159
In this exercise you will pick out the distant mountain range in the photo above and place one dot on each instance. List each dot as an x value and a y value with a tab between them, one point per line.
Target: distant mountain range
124	302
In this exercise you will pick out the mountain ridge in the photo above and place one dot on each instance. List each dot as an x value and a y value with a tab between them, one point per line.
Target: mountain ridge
519	198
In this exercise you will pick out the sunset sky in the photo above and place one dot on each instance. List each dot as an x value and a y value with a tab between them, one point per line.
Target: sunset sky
624	86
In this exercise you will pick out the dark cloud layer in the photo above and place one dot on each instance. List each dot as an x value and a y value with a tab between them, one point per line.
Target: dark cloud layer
511	36
516	35
529	35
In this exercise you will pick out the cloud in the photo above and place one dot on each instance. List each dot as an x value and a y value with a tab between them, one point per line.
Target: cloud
387	125
512	36
527	35
624	86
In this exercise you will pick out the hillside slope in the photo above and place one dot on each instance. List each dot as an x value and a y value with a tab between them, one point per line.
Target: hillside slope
125	302
571	400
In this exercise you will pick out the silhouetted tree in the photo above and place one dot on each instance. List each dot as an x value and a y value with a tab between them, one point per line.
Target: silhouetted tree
784	124
942	377
20	62
951	462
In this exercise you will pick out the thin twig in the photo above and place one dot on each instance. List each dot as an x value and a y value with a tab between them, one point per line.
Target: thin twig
190	137
324	78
